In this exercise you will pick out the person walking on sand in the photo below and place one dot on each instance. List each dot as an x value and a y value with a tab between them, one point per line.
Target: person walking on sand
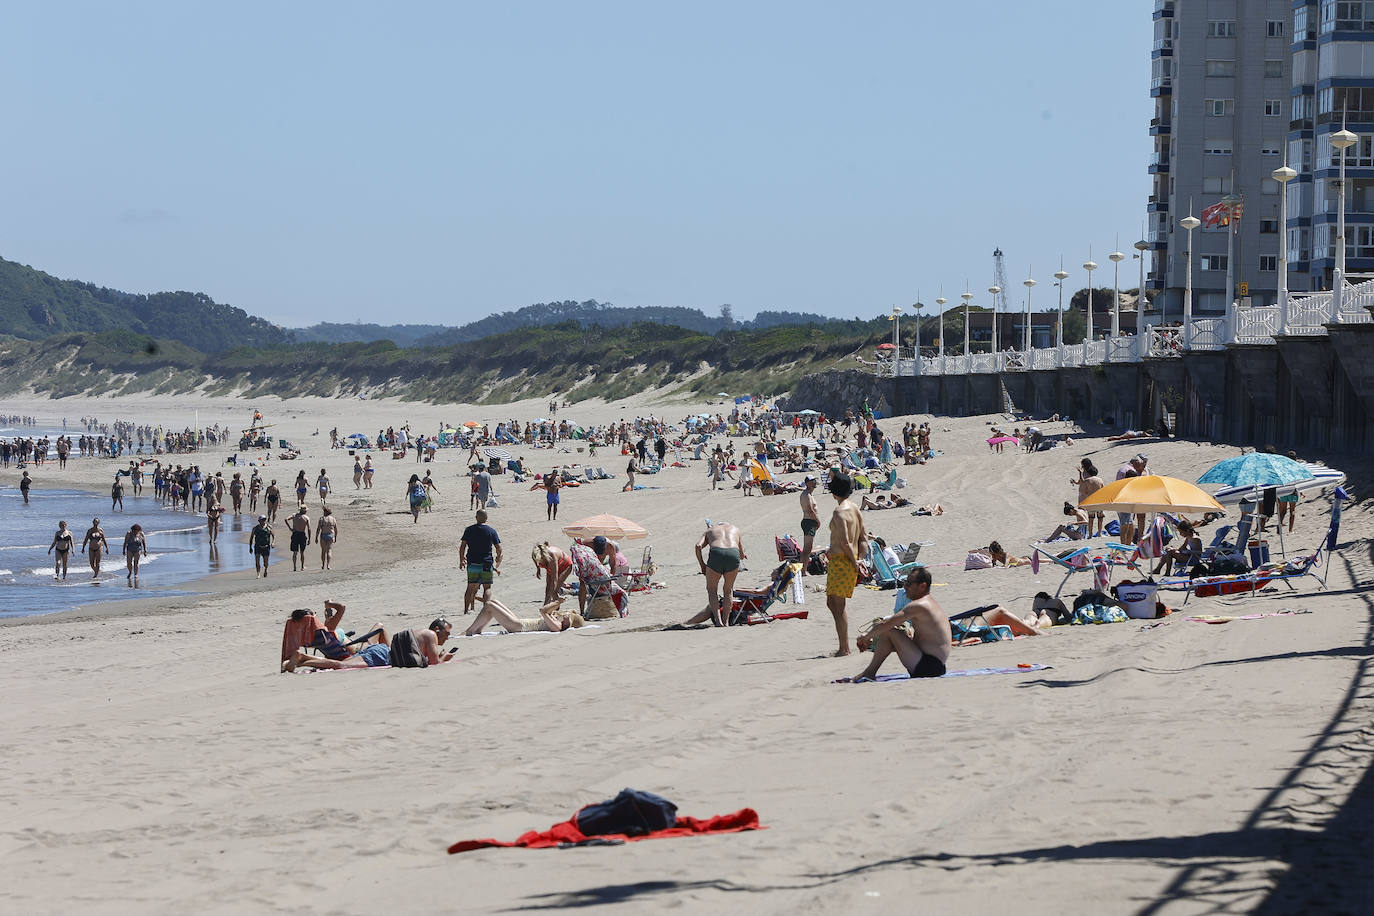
135	548
302	487
95	539
724	546
416	495
479	554
848	542
273	497
430	489
482	480
357	473
299	526
811	517
322	485
923	654
368	471
63	542
552	484
630	470
260	544
326	533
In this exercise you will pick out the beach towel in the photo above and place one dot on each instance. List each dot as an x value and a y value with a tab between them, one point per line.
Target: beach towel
567	833
967	672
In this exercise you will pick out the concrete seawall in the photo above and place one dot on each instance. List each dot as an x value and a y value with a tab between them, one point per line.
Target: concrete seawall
1302	392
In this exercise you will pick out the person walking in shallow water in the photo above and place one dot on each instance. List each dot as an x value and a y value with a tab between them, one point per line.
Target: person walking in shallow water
95	540
62	542
135	547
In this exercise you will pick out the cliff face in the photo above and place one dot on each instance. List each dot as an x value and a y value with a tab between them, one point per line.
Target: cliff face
834	392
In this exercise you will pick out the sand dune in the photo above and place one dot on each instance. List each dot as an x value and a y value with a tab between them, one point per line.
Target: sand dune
155	762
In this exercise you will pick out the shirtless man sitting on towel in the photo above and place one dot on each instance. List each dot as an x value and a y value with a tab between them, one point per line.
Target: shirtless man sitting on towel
923	654
725	550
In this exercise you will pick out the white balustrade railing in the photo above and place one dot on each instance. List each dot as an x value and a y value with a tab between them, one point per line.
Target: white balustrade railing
1308	315
982	362
1121	349
1165	342
1257	324
1209	334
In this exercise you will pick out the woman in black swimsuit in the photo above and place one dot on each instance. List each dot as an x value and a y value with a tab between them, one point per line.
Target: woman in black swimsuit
62	542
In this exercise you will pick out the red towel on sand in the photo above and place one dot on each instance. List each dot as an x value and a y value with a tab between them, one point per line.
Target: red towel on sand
567	832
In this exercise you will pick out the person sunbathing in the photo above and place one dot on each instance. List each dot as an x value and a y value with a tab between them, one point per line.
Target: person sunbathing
1075	530
998	616
999	556
550	619
1133	434
932	509
422	643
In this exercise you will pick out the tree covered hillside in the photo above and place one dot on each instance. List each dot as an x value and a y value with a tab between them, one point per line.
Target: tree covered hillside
35	305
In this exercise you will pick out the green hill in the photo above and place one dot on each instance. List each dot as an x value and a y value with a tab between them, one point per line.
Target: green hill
402	335
35	305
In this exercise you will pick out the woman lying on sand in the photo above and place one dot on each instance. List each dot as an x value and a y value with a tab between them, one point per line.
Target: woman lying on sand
550	619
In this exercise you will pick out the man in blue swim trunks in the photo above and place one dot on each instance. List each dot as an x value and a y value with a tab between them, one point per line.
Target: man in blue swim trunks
924	652
479	553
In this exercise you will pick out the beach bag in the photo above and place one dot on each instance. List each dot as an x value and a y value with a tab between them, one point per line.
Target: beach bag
405	653
976	559
603	608
631	813
1052	606
1138	599
417	494
815	566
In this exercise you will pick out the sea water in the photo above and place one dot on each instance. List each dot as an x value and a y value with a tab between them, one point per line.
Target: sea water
179	548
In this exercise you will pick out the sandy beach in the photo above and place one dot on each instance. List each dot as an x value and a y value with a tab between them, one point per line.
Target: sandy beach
157	762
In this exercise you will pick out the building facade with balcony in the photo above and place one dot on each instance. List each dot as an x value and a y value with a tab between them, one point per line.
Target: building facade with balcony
1221	80
1333	82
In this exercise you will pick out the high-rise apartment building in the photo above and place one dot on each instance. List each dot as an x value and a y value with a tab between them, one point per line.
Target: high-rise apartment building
1221	80
1333	81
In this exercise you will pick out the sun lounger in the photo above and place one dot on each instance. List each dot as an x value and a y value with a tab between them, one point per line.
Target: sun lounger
751	605
885	575
1086	559
966	626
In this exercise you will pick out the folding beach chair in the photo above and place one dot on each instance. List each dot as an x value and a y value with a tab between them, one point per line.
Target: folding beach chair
1086	559
885	575
788	548
966	626
638	580
750	606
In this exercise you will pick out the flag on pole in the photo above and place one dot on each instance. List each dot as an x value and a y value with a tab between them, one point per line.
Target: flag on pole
1223	211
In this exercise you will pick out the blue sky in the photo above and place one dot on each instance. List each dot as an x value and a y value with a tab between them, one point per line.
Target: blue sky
435	162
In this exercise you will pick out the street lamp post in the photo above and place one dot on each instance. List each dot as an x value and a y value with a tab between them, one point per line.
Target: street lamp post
994	290
1141	247
1116	258
1342	140
1060	276
966	296
1089	265
1189	222
1028	282
940	301
1283	175
896	319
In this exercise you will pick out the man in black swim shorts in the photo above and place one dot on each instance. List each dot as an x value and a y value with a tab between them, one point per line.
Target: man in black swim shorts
926	648
811	515
725	550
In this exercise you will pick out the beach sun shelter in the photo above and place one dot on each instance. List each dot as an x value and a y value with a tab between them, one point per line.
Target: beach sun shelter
1151	493
608	526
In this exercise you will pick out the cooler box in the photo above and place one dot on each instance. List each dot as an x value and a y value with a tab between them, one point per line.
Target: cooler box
1138	599
1259	553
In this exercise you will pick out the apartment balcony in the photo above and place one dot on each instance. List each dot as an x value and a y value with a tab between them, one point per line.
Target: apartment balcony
1164	9
1160	127
1159	164
1157	204
1161	86
1164	47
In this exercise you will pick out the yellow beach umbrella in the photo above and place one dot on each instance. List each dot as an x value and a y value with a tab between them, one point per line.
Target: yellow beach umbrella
1151	494
610	526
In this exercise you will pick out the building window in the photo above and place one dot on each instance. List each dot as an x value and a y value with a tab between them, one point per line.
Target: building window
1214	262
1221	28
1275	28
1219	107
1347	16
1269	186
1221	68
1269	262
1361	155
1270	226
1300	155
1217	147
1271	148
1299	241
1273	69
1216	185
1302	30
1273	107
